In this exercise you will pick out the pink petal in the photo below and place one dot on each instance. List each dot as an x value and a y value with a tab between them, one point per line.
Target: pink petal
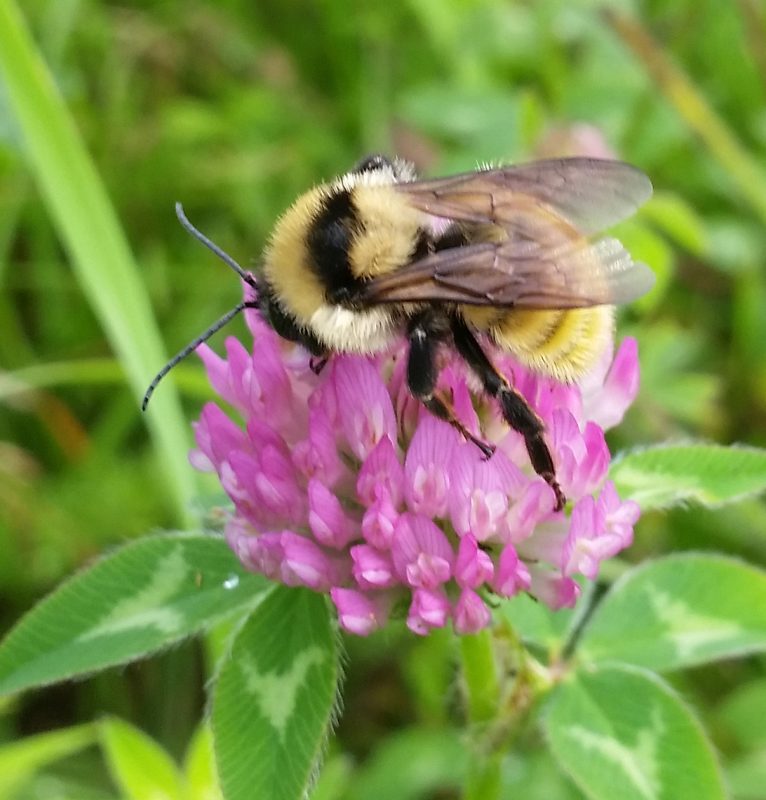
406	407
471	613
479	489
317	456
553	589
216	437
421	552
379	522
381	472
217	369
239	533
305	564
357	612
473	566
254	383
452	382
265	487
258	552
372	569
620	516
427	467
532	506
581	550
547	543
608	405
275	484
598	530
512	574
267	554
595	464
429	609
329	523
237	480
364	405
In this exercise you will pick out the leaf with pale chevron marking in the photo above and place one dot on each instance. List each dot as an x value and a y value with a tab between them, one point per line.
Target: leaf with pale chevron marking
140	598
679	611
621	732
673	474
275	698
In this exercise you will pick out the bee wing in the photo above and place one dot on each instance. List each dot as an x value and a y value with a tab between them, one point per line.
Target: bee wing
591	194
543	260
518	273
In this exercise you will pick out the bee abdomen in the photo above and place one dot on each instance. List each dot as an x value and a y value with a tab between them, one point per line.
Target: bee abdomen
563	344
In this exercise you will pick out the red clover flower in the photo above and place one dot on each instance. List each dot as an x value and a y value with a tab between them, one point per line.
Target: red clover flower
343	483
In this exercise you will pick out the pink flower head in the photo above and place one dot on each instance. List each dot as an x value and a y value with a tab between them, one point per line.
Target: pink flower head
342	483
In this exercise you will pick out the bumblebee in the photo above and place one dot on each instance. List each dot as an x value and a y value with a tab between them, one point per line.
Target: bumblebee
509	253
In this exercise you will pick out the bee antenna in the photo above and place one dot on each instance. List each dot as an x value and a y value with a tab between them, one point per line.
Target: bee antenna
192	346
216	326
213	247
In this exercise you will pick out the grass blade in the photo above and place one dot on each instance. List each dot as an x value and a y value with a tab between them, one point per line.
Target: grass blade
89	230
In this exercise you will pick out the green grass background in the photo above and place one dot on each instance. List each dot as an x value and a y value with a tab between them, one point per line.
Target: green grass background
236	107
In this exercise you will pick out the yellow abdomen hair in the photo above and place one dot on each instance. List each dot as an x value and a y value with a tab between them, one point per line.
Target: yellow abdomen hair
562	344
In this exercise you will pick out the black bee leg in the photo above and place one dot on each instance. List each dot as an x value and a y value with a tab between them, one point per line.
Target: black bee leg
318	363
422	374
515	409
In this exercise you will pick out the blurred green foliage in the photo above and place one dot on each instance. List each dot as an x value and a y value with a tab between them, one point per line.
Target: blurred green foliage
236	107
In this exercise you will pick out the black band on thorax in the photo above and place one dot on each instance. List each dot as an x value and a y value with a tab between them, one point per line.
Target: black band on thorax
329	241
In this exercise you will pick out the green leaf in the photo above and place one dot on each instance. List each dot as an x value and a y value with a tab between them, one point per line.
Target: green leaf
746	775
140	767
199	767
667	475
742	715
20	760
535	623
620	732
89	229
532	774
146	595
275	698
681	610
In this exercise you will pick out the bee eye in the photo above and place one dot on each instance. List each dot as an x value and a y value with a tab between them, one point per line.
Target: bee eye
373	163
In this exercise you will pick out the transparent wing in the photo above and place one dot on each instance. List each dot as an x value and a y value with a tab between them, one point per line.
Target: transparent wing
590	194
597	273
557	273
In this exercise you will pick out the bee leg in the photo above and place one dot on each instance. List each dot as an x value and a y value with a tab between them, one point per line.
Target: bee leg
318	363
515	409
422	374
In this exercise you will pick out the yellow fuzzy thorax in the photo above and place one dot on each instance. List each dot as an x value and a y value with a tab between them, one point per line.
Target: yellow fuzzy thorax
286	259
388	232
387	228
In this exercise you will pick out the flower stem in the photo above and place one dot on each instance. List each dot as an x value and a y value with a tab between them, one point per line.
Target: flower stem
483	700
480	675
484	779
